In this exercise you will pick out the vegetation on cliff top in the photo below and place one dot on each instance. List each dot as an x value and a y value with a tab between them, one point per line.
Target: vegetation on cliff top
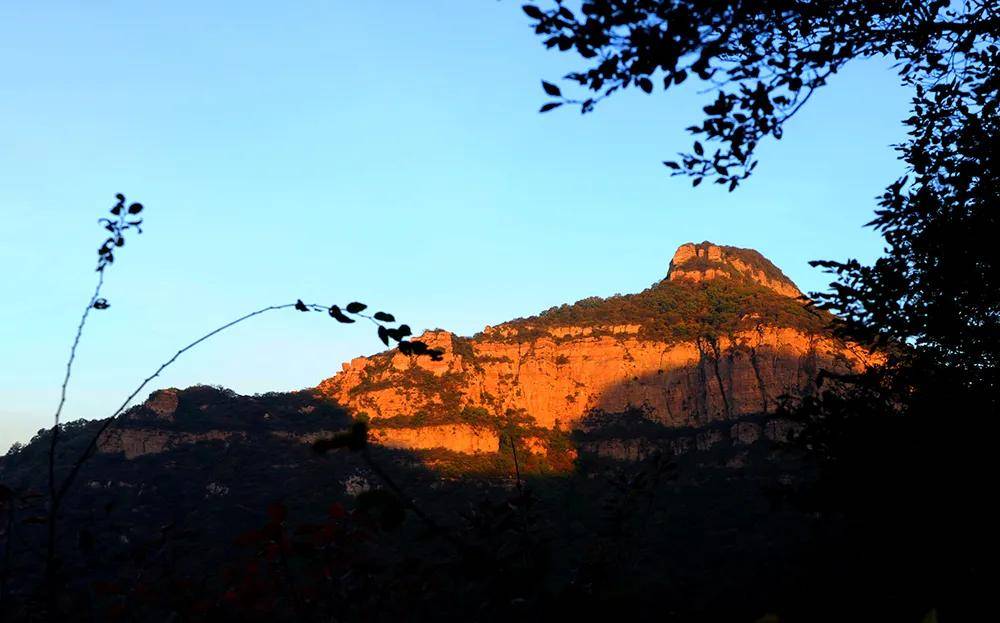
674	311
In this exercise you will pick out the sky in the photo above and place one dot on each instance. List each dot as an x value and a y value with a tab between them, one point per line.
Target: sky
389	152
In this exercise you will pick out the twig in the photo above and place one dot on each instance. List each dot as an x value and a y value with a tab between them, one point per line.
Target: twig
50	550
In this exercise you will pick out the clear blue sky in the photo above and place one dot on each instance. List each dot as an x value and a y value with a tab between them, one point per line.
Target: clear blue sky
384	151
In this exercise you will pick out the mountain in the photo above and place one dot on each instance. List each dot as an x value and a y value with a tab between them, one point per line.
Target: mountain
723	336
702	357
634	432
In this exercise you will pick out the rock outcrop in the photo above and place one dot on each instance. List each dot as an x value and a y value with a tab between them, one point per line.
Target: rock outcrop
725	335
698	262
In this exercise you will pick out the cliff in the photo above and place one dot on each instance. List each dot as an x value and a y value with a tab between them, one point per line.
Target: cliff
724	335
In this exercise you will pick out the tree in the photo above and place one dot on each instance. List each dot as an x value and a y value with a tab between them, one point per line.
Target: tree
765	57
903	449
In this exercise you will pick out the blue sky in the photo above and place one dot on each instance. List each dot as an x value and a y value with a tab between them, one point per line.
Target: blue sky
383	151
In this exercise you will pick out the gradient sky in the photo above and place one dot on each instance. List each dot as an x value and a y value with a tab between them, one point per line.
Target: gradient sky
383	151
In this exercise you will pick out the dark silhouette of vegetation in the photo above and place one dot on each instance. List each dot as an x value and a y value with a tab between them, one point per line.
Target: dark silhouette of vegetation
903	449
123	220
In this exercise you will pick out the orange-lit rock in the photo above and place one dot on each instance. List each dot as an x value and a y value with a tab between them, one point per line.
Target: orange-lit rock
697	262
557	374
454	437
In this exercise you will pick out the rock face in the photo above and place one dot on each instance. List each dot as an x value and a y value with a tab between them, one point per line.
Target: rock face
723	336
455	437
698	262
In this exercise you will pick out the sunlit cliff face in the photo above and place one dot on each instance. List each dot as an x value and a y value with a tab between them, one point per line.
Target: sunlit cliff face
739	340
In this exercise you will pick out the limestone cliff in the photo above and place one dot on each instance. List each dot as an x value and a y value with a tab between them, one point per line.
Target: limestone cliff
724	335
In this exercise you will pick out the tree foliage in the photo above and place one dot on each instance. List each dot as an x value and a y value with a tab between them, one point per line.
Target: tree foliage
903	449
763	58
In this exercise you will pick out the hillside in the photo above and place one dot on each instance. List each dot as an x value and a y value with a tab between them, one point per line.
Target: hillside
723	336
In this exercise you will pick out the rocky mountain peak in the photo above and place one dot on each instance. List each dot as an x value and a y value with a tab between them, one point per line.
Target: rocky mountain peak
705	260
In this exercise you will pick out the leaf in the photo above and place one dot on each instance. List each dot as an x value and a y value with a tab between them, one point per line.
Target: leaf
353	439
384	317
135	208
339	315
299	305
680	76
383	334
696	181
101	304
645	84
551	89
532	11
698	149
356	307
671	164
277	512
336	511
404	330
550	106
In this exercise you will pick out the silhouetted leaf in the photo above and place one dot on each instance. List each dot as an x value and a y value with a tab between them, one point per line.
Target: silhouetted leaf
550	106
532	11
135	208
354	439
383	335
339	315
101	304
356	307
551	89
299	305
384	317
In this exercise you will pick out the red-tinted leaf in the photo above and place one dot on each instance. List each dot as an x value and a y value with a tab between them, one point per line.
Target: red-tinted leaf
276	512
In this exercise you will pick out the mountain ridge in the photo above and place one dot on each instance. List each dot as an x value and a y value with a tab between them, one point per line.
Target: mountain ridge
724	335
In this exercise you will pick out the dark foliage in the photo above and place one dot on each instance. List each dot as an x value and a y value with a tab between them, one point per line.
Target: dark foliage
765	57
903	450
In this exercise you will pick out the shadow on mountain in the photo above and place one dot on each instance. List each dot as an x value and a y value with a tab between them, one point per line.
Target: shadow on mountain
205	504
